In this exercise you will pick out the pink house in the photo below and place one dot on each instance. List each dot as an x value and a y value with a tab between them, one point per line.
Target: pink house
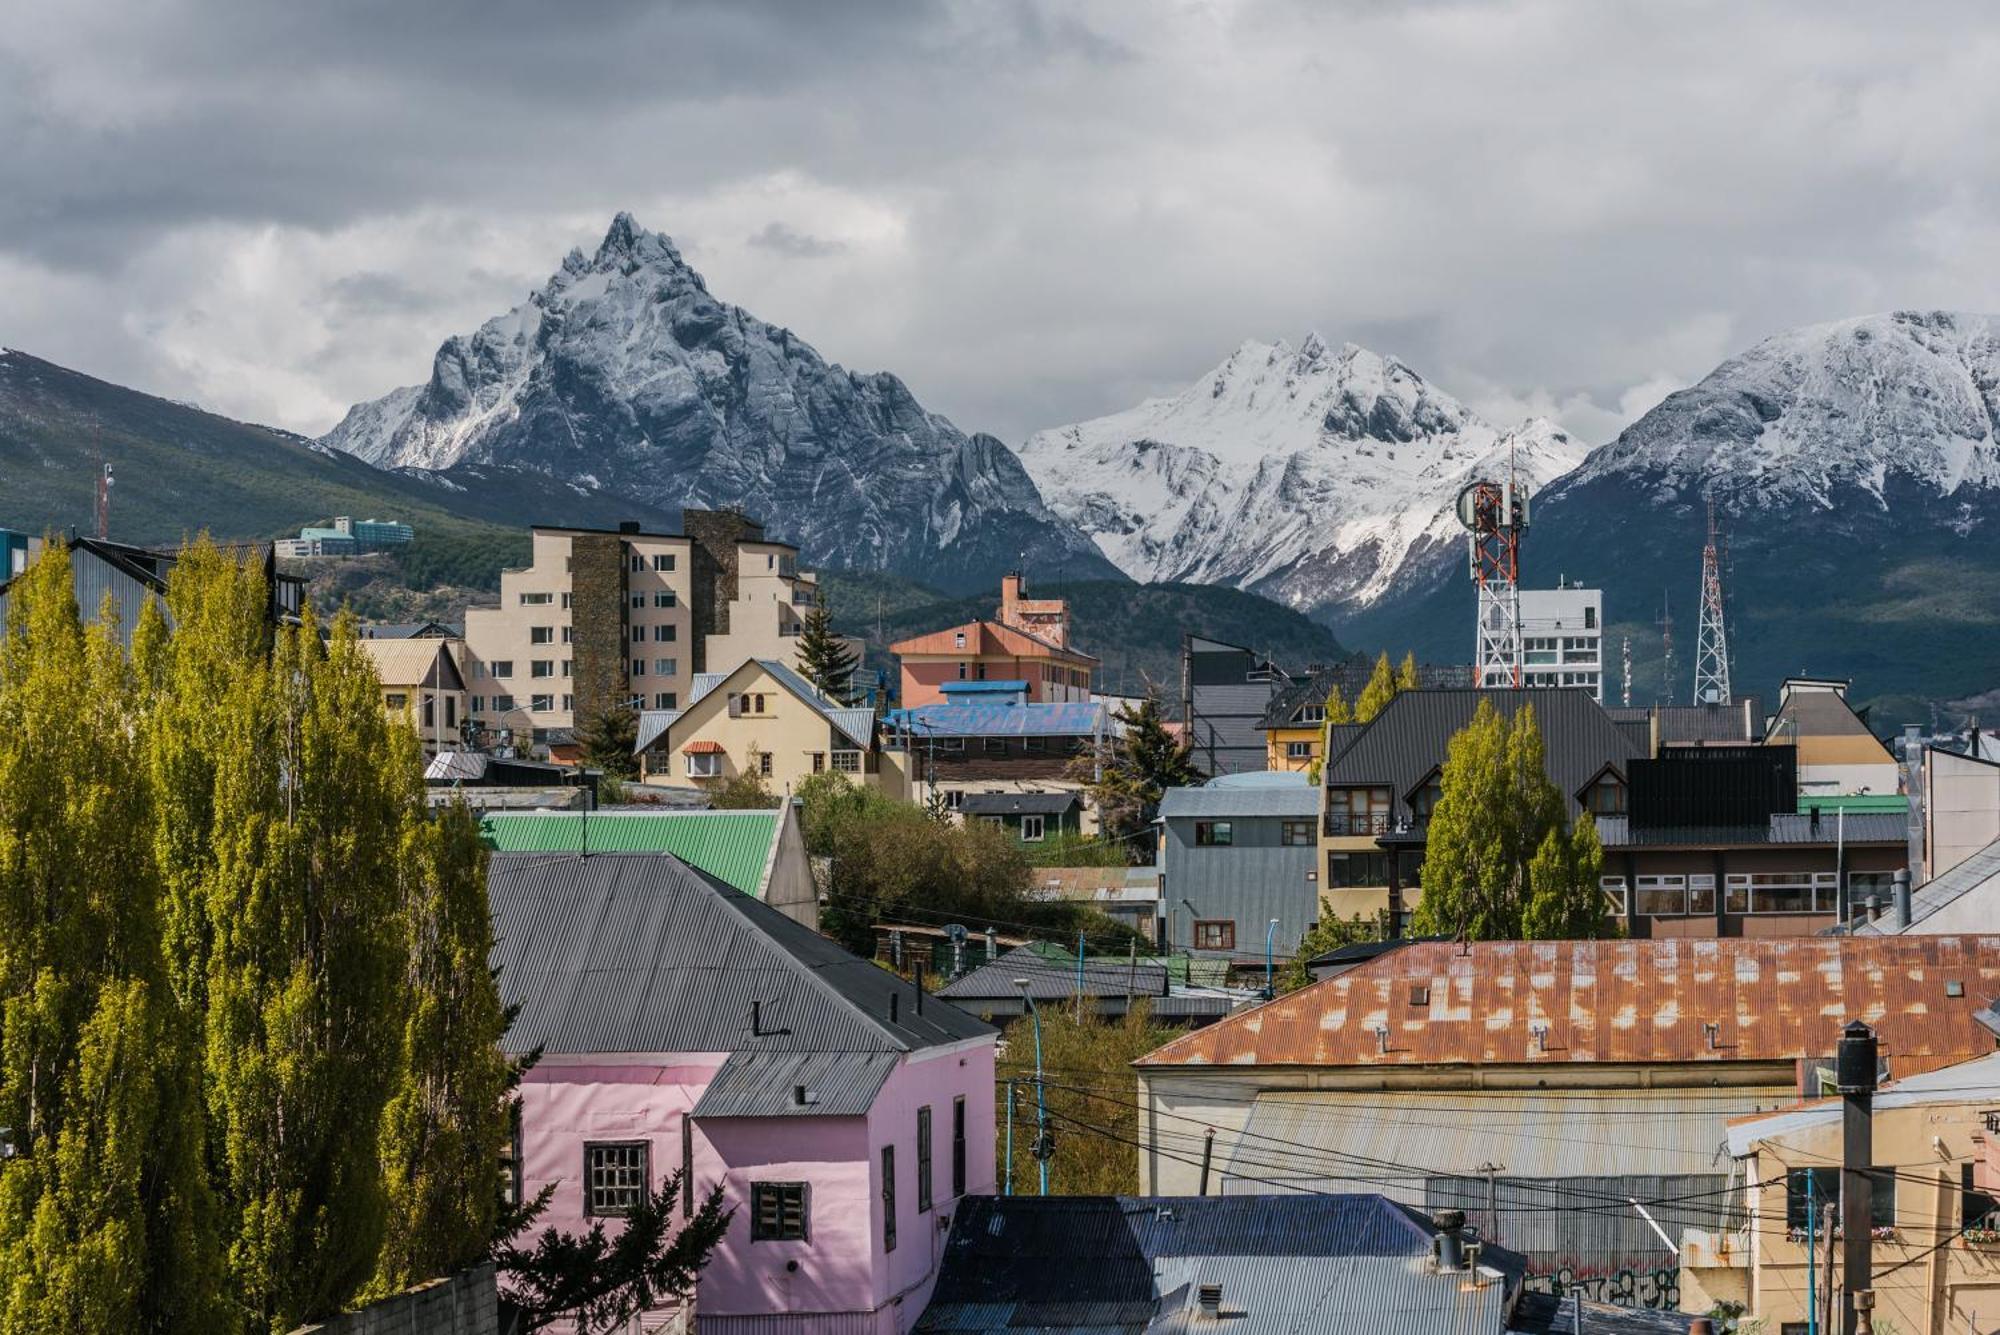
684	1024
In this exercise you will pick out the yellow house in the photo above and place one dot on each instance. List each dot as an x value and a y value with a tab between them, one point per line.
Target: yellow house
761	718
421	682
1936	1254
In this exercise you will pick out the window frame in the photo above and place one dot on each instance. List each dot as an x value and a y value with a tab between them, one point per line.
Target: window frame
1297	834
924	1201
844	762
888	1198
958	1146
590	1186
1214	834
780	1232
1223	930
1041	828
714	764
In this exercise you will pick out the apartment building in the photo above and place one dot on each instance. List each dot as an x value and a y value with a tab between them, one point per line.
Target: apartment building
1562	638
607	617
1028	641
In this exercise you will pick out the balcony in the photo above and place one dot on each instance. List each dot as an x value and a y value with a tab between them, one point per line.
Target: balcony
1343	823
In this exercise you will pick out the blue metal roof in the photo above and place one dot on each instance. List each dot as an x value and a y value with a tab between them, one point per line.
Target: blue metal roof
1073	718
1009	687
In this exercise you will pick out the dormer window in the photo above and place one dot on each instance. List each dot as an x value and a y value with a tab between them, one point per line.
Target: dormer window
1605	796
1424	800
1310	714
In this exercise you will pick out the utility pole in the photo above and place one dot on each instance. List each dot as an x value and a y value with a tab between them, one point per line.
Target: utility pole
1492	1196
1854	1074
1711	653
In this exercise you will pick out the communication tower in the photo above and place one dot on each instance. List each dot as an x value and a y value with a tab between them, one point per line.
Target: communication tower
104	504
1495	514
1665	621
1625	654
1711	655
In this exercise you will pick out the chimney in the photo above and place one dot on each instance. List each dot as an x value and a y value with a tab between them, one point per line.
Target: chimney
628	526
1010	598
895	1007
1211	1299
1900	892
1448	1247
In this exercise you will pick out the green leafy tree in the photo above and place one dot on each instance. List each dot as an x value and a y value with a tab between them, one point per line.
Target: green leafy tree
1495	812
1087	1066
1565	899
825	659
1406	675
1337	708
449	1117
594	1283
1329	933
1379	691
744	790
1126	784
104	1218
609	737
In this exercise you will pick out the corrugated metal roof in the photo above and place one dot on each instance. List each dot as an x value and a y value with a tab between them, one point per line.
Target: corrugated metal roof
1016	804
767	1084
1289	802
1061	719
734	846
639	952
1976	1081
1979	873
1785	827
1407	740
1051	980
1778	999
1547	1314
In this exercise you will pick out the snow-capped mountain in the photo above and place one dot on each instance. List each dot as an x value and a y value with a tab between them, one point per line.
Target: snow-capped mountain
623	373
1316	476
1913	396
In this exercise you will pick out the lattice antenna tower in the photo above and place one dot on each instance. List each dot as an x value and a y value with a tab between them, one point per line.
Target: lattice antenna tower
1711	655
1625	654
1495	515
1665	621
104	503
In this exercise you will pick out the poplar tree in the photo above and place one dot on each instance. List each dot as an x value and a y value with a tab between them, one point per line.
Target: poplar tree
1379	691
1337	708
103	1218
1406	675
1565	898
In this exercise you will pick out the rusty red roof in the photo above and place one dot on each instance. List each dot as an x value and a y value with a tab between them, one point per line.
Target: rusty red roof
1770	999
987	638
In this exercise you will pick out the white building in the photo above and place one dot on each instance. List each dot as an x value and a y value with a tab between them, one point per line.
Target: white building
1562	638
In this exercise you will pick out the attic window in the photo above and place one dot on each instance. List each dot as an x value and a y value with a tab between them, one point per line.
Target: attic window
1420	994
1954	988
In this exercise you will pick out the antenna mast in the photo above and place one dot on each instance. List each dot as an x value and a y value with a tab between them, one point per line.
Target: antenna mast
1665	621
104	504
1625	653
1495	515
1711	655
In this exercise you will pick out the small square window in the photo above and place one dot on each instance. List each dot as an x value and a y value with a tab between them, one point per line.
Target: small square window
1032	829
1215	935
780	1212
541	634
1214	834
663	562
1299	834
663	598
541	704
614	1178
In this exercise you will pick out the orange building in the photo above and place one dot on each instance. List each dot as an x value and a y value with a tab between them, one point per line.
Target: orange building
1027	642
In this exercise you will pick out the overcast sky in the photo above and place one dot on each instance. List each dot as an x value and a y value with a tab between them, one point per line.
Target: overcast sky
1032	213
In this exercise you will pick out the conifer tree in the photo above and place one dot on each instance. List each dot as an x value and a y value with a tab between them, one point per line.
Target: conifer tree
609	738
103	1218
1379	691
1406	675
1126	784
824	658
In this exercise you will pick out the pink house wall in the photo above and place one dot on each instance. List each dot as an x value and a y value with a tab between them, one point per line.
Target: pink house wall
840	1280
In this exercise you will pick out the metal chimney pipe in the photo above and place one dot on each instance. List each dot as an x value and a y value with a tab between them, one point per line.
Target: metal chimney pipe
1900	890
1449	1244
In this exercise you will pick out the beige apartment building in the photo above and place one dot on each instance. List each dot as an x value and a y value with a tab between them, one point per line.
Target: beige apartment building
607	617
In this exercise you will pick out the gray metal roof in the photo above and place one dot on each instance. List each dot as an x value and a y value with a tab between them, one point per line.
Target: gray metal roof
1289	801
1862	827
1018	804
1287	1265
1976	872
1054	980
1407	740
767	1084
639	952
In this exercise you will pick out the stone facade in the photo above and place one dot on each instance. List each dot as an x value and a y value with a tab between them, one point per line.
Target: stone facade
715	534
597	582
464	1304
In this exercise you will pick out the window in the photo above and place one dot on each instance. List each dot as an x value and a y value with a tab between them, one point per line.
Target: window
1213	834
638	667
663	700
704	765
541	704
1701	894
536	599
569	703
764	763
666	667
567	634
1975	1208
663	562
542	667
1357	811
541	634
1211	934
1780	892
638	601
1298	750
687	1165
995	744
502	703
664	598
396	700
1310	714
951	743
510	1158
477	704
780	1212
979	671
1590	618
1614	894
638	562
923	1159
568	599
961	666
1345	871
747	702
1424	801
1032	829
888	1198
665	634
1606	797
954	799
1862	884
819	762
501	668
958	1146
846	762
566	667
1298	834
1660	895
614	1177
1821	1186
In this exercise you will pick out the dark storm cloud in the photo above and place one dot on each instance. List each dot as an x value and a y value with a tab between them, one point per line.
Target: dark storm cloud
1033	212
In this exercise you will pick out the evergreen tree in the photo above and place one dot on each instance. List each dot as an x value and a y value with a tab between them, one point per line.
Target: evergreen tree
1495	812
1406	675
1379	691
103	1211
1126	784
1566	901
824	658
449	1119
609	738
1329	933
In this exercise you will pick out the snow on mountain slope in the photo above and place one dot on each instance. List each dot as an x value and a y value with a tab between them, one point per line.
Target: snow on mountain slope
1912	396
623	371
1312	475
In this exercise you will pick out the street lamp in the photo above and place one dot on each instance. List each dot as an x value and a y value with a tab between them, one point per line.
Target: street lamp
1044	1148
1270	942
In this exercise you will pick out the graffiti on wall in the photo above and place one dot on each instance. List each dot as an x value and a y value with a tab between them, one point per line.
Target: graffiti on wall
1655	1289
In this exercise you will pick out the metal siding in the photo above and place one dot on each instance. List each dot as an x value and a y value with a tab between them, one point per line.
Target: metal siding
733	846
1228	726
1250	882
1294	802
1055	979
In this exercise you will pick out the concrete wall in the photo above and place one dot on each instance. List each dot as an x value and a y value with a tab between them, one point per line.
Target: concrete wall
1961	809
789	886
464	1304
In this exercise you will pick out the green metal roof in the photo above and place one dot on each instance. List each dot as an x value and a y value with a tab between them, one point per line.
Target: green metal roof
1854	802
733	846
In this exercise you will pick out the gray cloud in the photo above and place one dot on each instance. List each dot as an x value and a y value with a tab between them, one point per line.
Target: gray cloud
1033	212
